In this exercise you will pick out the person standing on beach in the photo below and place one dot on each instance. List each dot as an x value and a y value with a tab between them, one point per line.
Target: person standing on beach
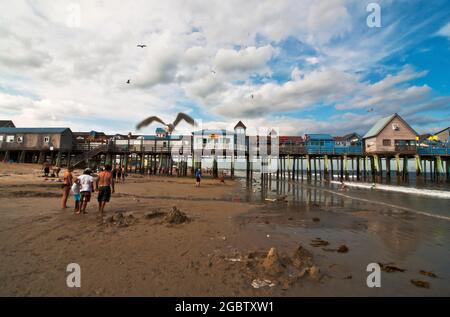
46	167
76	195
67	183
124	173
198	176
119	173
87	185
105	187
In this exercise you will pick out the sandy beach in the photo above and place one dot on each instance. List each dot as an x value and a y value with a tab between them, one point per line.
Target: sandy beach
323	242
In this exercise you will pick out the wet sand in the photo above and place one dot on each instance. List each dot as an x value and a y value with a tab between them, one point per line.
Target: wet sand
221	250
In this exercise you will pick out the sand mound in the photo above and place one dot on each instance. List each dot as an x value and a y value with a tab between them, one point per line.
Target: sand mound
272	268
302	258
272	263
120	219
175	216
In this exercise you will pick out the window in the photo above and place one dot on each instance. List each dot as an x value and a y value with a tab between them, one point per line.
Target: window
10	138
395	127
20	139
46	139
2	137
386	142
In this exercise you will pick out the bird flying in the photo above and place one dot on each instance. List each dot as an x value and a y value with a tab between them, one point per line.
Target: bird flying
169	126
141	45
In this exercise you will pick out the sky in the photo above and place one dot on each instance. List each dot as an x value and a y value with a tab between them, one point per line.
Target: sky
299	66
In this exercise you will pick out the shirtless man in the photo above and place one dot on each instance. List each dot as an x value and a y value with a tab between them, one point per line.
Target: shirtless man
105	187
67	184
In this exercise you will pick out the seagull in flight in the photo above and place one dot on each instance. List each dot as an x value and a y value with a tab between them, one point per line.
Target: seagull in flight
169	126
141	45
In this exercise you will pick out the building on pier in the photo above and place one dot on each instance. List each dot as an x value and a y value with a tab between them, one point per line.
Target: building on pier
443	135
33	145
7	124
391	134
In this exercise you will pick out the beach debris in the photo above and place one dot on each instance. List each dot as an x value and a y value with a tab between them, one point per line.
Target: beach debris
175	216
272	263
318	242
235	259
426	273
342	249
390	268
258	283
315	219
421	284
271	199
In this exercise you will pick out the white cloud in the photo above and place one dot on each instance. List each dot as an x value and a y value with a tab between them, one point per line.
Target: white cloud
445	31
247	61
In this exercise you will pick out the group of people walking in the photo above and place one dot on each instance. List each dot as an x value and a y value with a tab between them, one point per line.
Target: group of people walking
84	185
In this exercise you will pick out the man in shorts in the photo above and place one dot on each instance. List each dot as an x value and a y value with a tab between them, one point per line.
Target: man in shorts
105	187
87	185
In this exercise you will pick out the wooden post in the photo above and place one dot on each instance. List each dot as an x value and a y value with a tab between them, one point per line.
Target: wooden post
388	167
332	168
320	169
358	159
397	164
315	169
301	166
308	166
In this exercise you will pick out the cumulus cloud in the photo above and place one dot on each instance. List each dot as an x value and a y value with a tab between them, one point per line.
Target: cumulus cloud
248	60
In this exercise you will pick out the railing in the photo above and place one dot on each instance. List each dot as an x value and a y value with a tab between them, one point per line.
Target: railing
87	146
291	149
88	155
335	150
405	148
433	150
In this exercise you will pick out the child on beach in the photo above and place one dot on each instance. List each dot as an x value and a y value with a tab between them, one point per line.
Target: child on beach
198	176
76	195
87	185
